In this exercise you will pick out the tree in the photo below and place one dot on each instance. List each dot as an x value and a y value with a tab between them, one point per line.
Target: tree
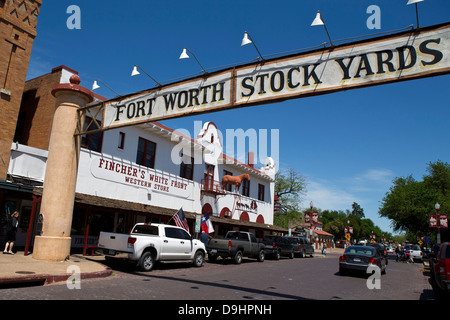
409	202
289	186
357	211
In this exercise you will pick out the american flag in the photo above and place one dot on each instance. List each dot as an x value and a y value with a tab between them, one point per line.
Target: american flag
180	220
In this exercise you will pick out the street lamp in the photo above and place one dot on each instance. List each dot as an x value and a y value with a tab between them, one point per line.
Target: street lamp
417	12
437	206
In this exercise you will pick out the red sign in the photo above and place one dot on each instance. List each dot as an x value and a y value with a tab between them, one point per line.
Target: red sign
433	221
307	217
315	217
443	222
441	218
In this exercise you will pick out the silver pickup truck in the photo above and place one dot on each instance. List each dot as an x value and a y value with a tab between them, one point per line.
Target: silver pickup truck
236	245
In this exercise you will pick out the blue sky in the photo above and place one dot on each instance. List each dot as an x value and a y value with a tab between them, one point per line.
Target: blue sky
349	145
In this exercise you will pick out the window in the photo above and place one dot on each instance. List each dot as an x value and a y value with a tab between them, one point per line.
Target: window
261	191
177	233
146	229
146	153
245	187
187	169
209	177
228	173
92	141
121	144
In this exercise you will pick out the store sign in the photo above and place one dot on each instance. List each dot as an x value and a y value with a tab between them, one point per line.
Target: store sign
247	205
141	177
398	57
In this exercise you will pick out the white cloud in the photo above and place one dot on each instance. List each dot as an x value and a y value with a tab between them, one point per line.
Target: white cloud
327	196
375	175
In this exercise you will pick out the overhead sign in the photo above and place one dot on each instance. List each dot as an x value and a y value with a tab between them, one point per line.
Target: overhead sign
398	57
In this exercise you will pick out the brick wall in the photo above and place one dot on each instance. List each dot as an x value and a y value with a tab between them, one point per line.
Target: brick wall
18	20
37	109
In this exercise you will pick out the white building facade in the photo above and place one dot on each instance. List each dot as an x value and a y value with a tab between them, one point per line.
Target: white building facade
146	173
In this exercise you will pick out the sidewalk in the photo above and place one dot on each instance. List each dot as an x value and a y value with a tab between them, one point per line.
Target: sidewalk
22	270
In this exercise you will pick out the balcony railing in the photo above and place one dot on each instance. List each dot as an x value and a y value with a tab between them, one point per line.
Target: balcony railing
212	186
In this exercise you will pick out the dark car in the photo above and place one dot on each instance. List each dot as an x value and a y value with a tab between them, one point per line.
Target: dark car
302	246
277	246
381	248
359	258
440	270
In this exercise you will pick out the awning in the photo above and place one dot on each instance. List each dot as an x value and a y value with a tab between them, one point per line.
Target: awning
150	209
12	186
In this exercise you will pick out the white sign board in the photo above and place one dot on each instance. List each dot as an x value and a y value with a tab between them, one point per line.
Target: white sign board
398	57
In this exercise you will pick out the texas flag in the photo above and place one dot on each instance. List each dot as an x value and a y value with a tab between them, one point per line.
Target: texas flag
206	224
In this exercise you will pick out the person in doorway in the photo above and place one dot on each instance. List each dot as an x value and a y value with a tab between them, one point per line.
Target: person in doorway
13	223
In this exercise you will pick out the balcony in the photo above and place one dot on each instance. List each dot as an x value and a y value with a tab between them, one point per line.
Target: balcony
212	186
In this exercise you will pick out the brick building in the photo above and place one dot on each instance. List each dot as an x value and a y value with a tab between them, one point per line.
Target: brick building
18	20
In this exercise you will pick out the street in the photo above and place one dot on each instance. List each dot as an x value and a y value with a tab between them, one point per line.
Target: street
287	279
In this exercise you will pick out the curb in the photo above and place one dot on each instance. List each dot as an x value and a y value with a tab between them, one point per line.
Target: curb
46	279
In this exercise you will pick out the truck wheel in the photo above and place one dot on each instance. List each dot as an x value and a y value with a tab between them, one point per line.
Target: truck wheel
146	262
199	258
261	256
277	255
238	257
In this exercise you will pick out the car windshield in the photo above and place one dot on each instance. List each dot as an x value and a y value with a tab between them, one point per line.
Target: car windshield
415	247
360	250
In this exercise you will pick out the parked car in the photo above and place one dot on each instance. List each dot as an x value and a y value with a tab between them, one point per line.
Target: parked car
277	246
341	243
302	246
149	243
440	270
358	258
237	244
415	251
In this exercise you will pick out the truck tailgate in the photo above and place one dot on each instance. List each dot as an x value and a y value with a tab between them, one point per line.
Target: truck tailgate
114	241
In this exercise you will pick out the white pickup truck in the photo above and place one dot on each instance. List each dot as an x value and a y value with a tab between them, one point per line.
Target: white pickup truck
149	243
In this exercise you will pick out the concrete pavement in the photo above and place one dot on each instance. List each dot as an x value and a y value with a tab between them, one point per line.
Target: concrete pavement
19	269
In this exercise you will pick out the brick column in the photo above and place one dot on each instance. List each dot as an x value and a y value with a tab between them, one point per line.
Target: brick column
61	173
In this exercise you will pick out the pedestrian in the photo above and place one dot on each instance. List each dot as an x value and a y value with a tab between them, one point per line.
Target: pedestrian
204	237
398	251
11	231
324	249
